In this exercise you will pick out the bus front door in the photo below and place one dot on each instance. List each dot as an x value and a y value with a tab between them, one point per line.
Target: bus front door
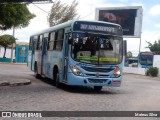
65	60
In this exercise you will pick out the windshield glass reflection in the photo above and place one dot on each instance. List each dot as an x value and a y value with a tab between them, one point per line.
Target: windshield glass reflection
96	49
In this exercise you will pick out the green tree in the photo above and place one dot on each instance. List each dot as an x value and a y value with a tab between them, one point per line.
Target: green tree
154	47
61	12
6	40
129	54
14	15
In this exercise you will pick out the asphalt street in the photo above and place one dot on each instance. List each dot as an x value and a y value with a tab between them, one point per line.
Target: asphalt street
137	93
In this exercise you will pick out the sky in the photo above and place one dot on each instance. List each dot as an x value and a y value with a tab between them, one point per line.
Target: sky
86	10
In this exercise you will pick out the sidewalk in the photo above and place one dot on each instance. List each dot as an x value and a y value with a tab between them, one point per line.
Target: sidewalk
14	74
142	76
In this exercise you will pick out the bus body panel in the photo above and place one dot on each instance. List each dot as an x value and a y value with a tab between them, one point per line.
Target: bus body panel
47	60
53	58
92	80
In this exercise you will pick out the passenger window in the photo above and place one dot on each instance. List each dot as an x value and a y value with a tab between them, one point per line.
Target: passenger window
40	44
58	43
37	46
51	41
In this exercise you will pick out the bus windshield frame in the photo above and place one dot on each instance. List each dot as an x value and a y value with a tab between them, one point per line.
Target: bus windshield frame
97	49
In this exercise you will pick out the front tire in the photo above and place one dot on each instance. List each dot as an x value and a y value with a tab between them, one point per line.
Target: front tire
56	79
97	88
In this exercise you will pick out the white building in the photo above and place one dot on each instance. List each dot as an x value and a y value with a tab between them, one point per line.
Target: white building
8	52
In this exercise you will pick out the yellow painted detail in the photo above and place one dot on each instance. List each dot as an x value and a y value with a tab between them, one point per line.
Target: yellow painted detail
96	59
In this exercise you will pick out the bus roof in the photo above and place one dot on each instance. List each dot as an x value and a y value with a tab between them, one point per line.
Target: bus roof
70	24
147	53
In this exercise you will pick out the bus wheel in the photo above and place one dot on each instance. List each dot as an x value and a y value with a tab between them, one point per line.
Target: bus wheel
36	71
98	88
56	79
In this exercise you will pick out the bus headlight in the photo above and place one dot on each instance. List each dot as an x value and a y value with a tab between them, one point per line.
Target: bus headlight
117	72
76	71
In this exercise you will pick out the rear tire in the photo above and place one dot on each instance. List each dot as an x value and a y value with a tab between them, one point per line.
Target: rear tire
97	88
36	71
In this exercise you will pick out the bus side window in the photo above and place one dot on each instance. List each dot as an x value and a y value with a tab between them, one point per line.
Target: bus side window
59	36
45	44
37	44
40	44
51	41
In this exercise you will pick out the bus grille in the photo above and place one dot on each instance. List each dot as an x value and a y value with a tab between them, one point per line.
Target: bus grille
91	80
100	75
90	69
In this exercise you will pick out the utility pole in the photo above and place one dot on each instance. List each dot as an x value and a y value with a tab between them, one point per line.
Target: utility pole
140	45
12	45
139	49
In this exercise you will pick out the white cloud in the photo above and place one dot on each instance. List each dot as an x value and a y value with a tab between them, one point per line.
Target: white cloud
123	0
150	36
134	43
155	10
157	25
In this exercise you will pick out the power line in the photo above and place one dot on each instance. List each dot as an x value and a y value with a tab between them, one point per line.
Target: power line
88	14
48	12
40	8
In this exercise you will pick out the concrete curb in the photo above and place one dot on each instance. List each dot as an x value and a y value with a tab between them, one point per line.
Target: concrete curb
4	83
19	82
13	63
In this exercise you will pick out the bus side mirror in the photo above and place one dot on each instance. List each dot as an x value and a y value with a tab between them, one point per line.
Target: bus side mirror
70	41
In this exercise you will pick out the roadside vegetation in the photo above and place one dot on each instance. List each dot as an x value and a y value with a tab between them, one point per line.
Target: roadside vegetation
153	71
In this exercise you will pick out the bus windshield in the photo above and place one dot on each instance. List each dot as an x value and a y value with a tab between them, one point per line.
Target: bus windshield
96	48
146	60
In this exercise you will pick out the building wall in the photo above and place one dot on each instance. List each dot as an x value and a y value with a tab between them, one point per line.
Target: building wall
21	54
134	70
8	52
156	62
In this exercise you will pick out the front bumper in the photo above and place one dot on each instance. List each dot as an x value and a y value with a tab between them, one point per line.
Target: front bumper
93	80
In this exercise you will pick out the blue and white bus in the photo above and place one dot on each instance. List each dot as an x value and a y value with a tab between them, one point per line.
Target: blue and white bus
145	59
85	53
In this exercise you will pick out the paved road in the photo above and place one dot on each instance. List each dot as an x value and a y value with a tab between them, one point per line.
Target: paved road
137	93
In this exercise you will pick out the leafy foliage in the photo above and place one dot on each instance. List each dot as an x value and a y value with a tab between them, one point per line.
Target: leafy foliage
153	71
61	12
6	40
14	15
154	47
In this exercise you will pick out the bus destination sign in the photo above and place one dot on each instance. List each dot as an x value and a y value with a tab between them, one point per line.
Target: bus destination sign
97	27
